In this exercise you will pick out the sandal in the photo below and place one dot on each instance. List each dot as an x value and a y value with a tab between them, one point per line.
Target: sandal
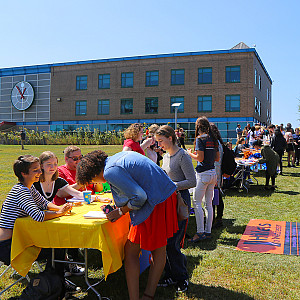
201	236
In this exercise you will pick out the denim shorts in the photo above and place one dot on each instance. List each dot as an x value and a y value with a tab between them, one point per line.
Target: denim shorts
5	248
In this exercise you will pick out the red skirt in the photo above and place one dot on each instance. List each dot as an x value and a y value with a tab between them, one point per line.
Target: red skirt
158	227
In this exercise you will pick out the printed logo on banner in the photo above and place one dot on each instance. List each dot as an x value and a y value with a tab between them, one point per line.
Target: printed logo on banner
265	236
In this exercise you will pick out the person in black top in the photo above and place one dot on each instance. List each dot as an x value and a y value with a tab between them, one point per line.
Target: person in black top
50	184
23	137
279	144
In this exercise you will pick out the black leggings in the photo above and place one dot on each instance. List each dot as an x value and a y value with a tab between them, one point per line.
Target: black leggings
280	153
220	207
268	179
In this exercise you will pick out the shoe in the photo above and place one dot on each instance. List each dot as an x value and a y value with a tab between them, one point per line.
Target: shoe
71	289
250	180
182	286
280	173
74	270
200	237
289	165
293	166
164	282
273	188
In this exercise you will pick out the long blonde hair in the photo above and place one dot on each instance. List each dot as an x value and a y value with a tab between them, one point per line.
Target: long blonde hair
44	157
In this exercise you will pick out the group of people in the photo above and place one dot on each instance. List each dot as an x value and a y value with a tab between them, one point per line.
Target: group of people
139	187
273	141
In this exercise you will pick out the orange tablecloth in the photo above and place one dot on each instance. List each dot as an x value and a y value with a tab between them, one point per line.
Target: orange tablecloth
73	231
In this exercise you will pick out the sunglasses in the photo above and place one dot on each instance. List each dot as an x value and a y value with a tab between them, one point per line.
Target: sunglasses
76	158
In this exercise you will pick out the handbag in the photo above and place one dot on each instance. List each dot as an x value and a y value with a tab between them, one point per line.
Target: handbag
182	208
216	197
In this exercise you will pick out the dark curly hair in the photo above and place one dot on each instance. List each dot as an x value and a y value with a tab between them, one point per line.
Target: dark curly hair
90	166
23	164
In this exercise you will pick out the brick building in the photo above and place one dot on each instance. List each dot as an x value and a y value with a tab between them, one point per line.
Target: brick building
228	86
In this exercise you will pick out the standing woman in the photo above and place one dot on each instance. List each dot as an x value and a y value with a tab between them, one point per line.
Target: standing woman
179	167
206	153
140	187
133	135
218	164
278	144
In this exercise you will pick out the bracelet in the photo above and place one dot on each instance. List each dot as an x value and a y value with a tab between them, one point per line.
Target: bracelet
120	211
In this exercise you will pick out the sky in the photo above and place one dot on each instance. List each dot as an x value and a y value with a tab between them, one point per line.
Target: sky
35	32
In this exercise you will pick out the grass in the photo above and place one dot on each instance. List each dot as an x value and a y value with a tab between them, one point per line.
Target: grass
216	270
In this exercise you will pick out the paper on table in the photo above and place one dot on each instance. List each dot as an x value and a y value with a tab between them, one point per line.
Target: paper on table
74	199
95	215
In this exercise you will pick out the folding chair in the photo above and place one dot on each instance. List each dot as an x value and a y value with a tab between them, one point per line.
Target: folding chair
15	272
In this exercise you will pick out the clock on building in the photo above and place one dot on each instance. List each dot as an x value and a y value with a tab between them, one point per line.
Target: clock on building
22	95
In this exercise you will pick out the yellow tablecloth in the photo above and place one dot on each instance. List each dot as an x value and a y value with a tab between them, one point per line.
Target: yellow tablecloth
73	231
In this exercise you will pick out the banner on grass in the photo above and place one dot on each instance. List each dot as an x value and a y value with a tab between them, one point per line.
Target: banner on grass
267	236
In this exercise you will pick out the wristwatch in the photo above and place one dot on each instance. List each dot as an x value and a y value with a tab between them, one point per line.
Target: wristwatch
120	212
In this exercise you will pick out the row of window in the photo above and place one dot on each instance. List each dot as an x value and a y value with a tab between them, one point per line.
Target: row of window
152	78
232	104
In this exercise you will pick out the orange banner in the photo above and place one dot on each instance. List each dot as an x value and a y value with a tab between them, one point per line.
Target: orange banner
265	236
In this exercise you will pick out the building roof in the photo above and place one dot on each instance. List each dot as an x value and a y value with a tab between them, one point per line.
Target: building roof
240	45
47	67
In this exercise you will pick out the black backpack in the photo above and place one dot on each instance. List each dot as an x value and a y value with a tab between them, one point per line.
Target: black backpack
228	164
47	285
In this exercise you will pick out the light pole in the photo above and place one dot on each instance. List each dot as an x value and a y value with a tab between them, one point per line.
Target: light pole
176	106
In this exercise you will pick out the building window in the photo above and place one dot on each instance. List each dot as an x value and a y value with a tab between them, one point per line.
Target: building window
81	82
233	74
80	108
255	77
204	103
103	107
177	100
177	77
259	82
127	80
232	103
151	105
126	106
152	78
256	105
104	81
204	75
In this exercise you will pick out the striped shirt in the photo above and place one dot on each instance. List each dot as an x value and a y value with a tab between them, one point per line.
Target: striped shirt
22	202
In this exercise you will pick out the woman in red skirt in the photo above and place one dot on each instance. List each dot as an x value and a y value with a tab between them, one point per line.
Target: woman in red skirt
141	188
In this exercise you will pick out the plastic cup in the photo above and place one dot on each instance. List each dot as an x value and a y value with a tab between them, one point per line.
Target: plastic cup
87	196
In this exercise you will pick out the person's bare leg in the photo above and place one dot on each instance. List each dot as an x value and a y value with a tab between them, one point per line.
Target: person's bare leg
132	269
156	268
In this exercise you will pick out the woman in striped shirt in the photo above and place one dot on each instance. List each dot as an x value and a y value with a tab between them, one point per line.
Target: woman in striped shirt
24	200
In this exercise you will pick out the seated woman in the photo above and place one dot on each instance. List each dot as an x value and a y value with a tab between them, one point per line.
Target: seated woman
24	200
50	184
142	188
133	135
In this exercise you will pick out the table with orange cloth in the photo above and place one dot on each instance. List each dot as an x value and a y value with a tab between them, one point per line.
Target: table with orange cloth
70	231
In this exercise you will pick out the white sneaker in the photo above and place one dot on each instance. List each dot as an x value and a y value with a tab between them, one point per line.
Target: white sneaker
74	270
250	180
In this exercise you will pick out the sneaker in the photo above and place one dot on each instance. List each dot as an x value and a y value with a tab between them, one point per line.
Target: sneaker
289	165
74	270
250	180
71	289
182	286
164	282
293	166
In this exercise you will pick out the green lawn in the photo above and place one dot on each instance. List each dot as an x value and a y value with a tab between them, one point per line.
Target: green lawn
217	270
